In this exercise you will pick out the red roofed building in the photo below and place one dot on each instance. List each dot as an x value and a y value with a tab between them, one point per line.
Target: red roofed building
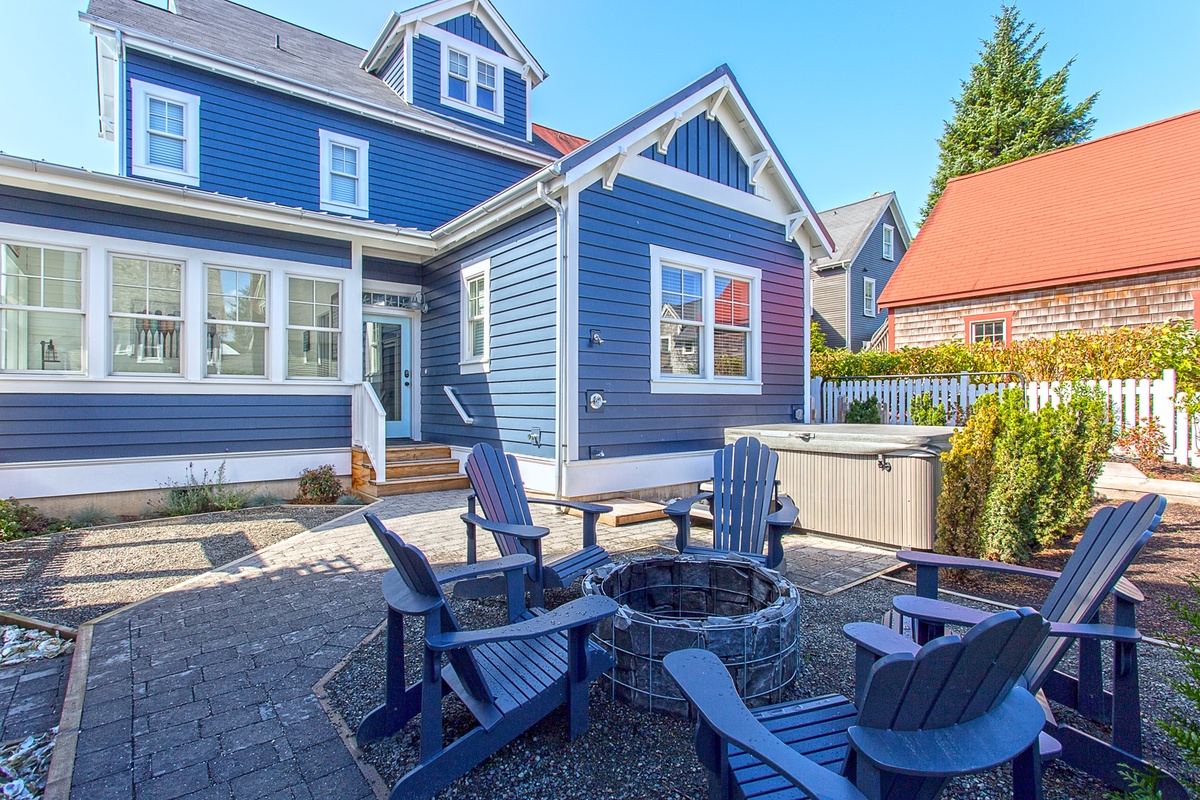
1102	234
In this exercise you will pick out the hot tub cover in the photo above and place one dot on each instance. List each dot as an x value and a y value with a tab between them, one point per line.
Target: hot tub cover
891	440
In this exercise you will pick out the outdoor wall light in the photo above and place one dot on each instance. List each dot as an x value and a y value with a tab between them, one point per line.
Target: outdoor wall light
596	339
596	401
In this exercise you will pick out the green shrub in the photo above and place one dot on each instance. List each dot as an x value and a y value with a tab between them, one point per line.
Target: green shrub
90	516
263	499
863	412
319	486
1015	481
1183	725
349	500
1145	441
200	495
18	520
816	339
924	412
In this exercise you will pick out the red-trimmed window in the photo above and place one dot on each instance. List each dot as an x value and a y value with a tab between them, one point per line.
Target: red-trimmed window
994	327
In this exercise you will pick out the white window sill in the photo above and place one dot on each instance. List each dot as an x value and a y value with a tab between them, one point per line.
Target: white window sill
338	208
474	367
492	116
664	386
165	174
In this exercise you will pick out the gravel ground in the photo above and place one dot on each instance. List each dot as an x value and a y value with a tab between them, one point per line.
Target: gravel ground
73	576
633	754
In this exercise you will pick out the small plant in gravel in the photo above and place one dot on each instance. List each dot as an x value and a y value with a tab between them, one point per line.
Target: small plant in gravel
863	412
263	499
1145	442
1143	786
18	520
349	500
924	412
319	486
90	516
199	495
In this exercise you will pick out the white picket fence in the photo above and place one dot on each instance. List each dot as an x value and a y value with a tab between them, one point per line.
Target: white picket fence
1131	401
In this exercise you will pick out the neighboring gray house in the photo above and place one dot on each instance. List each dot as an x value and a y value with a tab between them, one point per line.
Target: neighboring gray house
871	237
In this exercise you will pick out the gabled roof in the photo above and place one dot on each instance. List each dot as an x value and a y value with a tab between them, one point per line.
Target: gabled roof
561	143
1126	204
851	225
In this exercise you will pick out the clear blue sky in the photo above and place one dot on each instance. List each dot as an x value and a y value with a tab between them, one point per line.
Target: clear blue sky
854	93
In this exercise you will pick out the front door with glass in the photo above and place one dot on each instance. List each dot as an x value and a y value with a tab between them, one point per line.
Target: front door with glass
387	366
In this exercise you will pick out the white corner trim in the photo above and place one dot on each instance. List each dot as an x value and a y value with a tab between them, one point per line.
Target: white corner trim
142	92
362	146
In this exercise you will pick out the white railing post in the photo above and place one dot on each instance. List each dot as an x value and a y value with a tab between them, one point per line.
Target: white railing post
369	429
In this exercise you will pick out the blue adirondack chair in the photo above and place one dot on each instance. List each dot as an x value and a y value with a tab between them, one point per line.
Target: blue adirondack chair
496	484
1109	544
509	677
951	708
747	510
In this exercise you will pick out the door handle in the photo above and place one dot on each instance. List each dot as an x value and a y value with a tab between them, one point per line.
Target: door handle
405	373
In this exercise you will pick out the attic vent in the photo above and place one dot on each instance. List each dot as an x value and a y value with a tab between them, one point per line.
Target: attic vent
393	71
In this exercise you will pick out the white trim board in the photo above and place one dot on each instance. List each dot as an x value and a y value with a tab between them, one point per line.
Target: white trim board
95	476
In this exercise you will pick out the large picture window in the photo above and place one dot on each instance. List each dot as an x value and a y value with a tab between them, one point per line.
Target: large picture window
146	316
237	322
41	309
706	324
314	328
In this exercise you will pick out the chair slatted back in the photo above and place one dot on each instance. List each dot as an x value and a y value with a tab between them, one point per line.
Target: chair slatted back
418	576
743	493
496	481
1109	544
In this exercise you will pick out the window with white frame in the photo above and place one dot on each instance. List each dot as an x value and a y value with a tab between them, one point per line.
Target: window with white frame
706	324
988	330
475	316
472	79
889	242
166	134
314	328
41	309
146	316
236	336
344	174
869	307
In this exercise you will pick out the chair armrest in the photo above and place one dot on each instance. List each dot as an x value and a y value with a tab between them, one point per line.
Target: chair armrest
587	508
683	506
505	564
504	529
706	682
927	610
921	559
879	640
584	611
786	516
1126	591
1112	633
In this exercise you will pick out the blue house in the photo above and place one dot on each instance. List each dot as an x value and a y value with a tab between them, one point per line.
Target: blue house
871	237
306	246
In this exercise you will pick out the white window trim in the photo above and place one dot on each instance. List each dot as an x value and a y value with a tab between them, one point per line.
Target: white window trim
873	309
475	53
469	364
112	313
709	383
362	208
190	174
889	243
82	311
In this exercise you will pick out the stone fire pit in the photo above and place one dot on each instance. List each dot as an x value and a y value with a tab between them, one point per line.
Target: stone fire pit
742	612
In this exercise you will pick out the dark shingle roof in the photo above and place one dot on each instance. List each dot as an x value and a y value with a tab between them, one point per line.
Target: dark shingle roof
850	225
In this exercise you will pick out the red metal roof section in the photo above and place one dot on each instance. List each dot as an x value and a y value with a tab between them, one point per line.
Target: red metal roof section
1126	204
564	143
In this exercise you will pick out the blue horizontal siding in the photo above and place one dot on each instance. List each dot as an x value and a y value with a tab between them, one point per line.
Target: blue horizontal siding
427	92
616	229
471	28
702	147
60	212
518	392
69	427
870	263
384	269
264	145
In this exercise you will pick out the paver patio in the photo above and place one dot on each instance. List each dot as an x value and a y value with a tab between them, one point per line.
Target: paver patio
206	691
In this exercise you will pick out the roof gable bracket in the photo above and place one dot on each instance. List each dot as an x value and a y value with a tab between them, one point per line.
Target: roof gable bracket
613	168
758	163
794	222
714	103
667	133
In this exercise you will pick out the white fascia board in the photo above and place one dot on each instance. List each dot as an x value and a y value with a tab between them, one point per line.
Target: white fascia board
381	45
42	176
499	59
898	215
430	125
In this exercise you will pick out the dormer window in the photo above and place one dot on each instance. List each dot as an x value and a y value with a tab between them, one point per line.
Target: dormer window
166	134
344	188
472	80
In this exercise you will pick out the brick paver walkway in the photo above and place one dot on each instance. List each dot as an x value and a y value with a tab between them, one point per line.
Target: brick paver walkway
206	692
31	696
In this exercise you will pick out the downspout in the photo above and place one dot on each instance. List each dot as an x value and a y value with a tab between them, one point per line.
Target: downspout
560	373
807	284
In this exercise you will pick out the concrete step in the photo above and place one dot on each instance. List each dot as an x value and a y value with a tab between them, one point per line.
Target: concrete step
417	485
413	469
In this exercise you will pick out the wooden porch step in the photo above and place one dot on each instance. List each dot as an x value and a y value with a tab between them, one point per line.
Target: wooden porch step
425	467
416	452
417	485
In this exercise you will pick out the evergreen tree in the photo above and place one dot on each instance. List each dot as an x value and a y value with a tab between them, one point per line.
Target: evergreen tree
1007	111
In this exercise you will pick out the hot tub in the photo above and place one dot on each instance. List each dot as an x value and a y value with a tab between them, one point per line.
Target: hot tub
876	483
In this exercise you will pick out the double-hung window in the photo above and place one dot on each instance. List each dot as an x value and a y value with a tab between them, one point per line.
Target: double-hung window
146	316
706	322
236	336
314	328
472	80
869	307
476	323
41	309
889	242
344	186
166	134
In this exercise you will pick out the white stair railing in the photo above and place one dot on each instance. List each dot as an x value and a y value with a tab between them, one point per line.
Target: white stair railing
369	429
458	406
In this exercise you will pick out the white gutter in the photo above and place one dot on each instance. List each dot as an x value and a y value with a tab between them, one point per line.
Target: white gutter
560	355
